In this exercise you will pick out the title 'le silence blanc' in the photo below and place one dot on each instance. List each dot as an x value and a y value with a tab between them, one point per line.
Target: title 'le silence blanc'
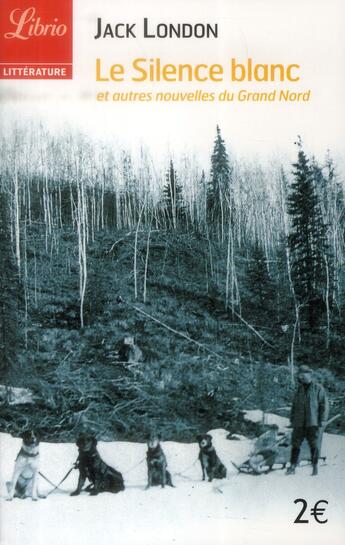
160	30
143	69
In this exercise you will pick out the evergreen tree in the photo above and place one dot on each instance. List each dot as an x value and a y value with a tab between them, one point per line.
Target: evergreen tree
261	297
9	297
307	239
173	199
219	192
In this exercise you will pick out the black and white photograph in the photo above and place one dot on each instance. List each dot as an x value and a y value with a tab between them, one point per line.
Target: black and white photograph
172	280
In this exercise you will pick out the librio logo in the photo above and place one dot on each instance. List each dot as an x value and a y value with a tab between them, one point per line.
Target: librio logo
27	24
36	39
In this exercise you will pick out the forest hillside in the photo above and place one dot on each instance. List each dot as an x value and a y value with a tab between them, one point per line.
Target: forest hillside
227	280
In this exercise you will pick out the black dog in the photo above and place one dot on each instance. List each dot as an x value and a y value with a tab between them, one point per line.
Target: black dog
157	472
210	463
102	477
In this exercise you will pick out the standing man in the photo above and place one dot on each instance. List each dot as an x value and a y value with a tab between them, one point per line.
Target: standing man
309	414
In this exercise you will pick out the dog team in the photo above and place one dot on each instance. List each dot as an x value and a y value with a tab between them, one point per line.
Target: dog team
102	477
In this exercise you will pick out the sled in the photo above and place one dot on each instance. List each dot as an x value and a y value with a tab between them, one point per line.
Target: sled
265	456
273	448
266	460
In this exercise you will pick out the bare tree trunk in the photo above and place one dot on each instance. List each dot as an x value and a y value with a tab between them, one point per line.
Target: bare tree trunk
82	246
135	254
328	330
230	265
17	220
26	291
147	260
287	252
221	217
292	349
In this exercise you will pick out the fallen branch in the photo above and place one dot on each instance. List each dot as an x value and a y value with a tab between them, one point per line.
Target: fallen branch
251	328
126	236
332	420
118	242
189	339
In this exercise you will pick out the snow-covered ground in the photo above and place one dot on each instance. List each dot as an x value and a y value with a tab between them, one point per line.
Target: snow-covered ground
241	510
267	418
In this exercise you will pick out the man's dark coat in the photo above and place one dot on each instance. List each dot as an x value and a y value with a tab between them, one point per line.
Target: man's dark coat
309	406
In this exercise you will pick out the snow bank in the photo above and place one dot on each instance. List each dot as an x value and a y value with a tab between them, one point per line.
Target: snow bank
15	396
241	510
269	419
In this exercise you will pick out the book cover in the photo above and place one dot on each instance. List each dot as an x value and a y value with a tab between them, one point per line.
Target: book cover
172	223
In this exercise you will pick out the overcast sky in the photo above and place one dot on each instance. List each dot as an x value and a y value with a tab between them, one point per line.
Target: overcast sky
307	32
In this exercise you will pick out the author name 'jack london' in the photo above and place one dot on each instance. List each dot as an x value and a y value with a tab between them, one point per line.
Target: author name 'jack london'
157	30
